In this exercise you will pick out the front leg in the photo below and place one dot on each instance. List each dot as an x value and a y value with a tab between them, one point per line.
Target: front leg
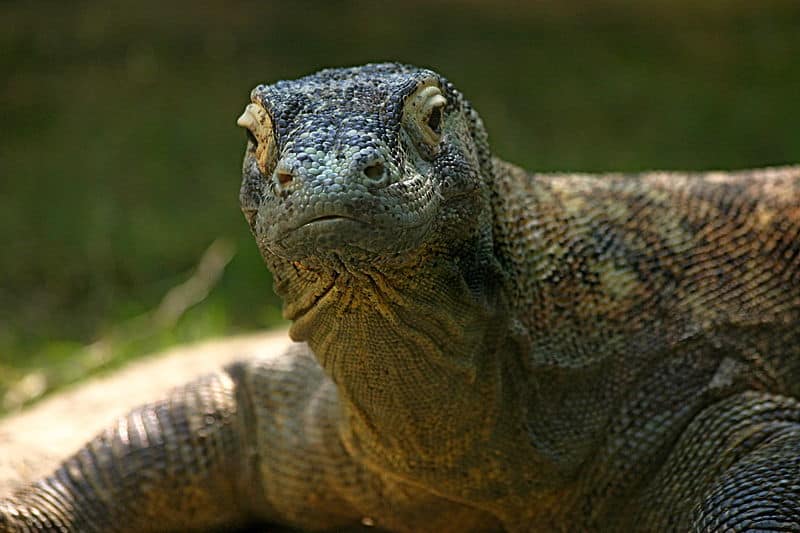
191	462
171	465
736	468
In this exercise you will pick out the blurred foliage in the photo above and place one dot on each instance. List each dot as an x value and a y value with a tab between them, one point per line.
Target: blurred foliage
119	156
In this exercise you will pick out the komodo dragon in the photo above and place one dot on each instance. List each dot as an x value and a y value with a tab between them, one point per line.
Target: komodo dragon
479	348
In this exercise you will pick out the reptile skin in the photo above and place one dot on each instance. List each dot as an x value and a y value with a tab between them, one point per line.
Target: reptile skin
479	348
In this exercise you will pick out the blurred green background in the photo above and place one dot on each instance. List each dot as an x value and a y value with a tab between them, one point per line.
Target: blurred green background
119	158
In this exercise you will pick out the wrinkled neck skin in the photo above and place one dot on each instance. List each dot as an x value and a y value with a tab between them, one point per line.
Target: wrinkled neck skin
420	350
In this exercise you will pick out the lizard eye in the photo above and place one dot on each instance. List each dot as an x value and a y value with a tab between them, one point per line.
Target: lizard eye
424	114
258	127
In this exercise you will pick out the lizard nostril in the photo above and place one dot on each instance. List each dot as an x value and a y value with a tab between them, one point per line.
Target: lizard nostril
374	171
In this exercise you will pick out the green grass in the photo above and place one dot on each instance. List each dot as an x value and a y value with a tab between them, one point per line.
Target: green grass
119	156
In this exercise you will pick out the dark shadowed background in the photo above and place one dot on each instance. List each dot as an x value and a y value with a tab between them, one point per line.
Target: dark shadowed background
119	157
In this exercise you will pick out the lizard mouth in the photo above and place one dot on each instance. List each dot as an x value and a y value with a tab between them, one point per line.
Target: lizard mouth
328	232
341	234
327	221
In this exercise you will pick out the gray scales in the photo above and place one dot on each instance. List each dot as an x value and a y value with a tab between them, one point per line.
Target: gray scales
478	347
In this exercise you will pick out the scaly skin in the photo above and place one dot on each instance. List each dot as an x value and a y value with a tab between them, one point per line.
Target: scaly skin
479	348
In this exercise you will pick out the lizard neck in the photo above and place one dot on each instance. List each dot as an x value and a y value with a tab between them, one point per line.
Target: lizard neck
429	365
415	352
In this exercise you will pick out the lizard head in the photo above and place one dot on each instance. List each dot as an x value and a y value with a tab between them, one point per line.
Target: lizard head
368	191
354	170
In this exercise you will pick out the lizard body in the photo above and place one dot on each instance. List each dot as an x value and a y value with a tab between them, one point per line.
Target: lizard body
479	348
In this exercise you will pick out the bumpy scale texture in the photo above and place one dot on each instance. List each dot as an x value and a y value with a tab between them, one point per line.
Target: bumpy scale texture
479	348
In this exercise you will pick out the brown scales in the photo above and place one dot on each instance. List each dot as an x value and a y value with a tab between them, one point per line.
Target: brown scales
480	348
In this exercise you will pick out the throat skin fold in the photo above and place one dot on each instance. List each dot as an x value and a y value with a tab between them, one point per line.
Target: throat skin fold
421	361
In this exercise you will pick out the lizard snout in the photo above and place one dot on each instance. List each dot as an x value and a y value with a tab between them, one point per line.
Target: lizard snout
331	177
